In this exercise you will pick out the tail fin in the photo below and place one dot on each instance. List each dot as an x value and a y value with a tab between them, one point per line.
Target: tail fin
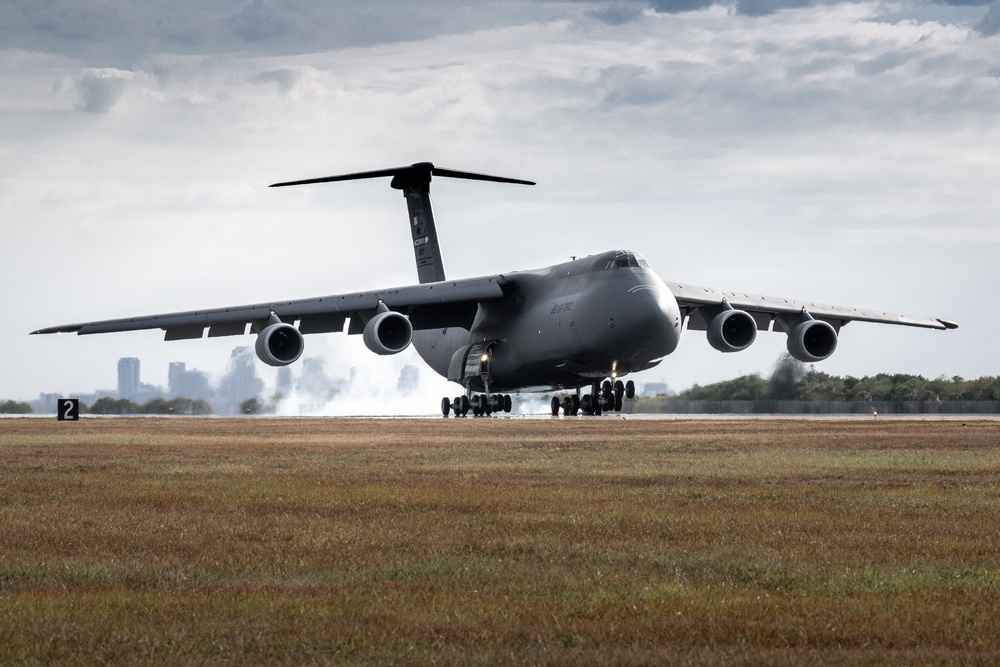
415	182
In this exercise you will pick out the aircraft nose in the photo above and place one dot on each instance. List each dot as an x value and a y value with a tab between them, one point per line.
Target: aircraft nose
656	317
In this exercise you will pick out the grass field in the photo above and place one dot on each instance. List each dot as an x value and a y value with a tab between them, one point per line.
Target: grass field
298	541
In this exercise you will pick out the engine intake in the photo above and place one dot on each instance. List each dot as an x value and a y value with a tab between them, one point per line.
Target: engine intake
732	331
388	333
279	344
812	340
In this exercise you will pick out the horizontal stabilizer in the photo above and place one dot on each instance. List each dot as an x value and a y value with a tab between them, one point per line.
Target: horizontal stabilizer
421	171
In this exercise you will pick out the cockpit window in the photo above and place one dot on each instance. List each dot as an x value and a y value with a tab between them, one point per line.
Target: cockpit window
627	260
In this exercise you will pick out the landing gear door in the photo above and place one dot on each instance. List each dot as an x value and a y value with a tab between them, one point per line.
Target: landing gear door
474	364
456	367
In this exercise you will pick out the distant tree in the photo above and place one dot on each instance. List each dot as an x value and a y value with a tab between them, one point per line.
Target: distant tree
114	406
15	408
156	406
791	381
981	389
252	406
819	386
743	388
176	406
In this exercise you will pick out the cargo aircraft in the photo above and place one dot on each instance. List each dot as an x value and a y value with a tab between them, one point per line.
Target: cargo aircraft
576	327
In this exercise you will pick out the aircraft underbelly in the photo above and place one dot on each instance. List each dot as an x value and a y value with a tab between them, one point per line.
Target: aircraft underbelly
437	346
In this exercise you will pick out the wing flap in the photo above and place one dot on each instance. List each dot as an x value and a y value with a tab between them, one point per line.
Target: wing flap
188	332
322	323
220	329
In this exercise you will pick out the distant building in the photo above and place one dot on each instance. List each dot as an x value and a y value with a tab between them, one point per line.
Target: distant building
409	380
656	389
188	384
128	377
239	383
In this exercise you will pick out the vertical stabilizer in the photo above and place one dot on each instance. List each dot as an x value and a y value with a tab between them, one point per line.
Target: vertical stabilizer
416	186
415	182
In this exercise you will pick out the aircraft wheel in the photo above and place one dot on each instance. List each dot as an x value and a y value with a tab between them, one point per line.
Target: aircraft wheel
576	404
619	388
630	389
618	402
445	406
555	406
567	406
485	403
463	402
507	403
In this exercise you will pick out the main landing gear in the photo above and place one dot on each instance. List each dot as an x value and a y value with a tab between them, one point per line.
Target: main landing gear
481	405
603	398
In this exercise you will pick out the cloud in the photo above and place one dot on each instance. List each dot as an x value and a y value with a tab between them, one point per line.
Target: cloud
678	6
262	20
768	7
286	78
627	85
990	23
617	13
100	89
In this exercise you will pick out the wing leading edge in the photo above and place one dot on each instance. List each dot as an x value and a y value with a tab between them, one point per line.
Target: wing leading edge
767	309
432	305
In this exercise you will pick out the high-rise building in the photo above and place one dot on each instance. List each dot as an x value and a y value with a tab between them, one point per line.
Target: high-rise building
239	383
409	380
128	377
188	384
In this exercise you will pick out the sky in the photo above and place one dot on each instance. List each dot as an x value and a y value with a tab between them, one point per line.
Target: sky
839	152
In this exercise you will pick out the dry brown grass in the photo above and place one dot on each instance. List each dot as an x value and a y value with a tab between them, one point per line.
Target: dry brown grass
178	541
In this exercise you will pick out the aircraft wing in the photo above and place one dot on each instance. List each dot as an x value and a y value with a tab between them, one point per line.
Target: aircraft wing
450	303
698	304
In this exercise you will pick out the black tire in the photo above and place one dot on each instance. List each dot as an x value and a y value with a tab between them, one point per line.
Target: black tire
555	406
445	406
630	389
507	403
463	403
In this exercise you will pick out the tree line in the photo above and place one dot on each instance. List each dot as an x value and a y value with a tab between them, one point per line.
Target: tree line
156	406
792	380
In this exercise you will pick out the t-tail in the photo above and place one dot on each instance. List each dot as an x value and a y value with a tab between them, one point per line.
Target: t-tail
415	182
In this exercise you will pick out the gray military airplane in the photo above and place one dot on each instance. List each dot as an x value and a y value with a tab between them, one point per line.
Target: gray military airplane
578	325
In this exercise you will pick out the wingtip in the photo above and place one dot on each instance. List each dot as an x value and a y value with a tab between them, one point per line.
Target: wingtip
948	324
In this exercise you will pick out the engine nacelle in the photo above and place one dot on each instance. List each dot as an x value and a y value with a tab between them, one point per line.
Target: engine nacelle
812	340
732	331
279	344
388	333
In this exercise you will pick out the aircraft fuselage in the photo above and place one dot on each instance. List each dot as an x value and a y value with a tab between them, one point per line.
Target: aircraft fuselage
562	326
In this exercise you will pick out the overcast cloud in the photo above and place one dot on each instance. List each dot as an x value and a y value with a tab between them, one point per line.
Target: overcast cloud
840	152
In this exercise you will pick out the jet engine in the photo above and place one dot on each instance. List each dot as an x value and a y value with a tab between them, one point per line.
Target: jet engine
732	331
812	340
279	344
388	332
